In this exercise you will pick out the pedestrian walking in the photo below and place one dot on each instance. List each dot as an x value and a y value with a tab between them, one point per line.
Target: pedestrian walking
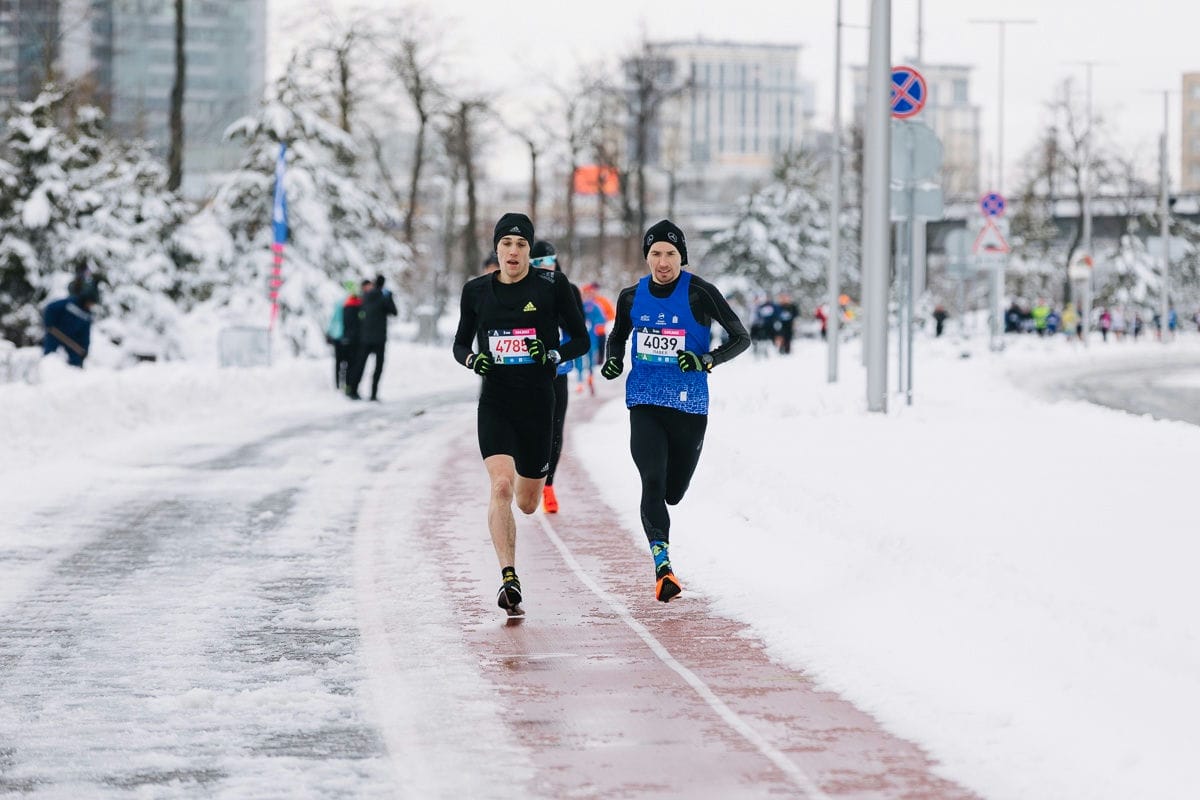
377	306
508	333
670	314
335	335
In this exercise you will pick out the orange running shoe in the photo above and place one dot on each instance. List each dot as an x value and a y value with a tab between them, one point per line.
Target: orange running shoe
591	385
549	501
667	588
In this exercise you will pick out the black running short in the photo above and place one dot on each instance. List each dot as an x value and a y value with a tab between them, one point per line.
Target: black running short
519	424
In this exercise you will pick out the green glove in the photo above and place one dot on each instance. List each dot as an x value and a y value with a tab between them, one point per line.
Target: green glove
537	350
690	362
480	363
612	368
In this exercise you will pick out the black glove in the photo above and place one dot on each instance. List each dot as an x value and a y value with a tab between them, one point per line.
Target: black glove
612	368
690	362
540	353
480	363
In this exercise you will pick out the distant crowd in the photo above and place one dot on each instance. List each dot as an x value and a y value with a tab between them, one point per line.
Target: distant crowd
1044	318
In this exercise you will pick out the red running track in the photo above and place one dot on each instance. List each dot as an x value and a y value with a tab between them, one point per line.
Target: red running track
616	695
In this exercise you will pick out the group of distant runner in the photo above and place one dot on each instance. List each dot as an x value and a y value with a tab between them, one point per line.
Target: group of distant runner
521	326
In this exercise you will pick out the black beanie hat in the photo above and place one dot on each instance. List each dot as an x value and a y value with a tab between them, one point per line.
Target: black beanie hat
665	230
513	224
542	248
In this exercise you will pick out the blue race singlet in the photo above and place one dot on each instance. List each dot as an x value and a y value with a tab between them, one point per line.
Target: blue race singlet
662	328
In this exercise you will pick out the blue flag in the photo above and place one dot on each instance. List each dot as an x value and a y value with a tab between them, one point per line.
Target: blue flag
279	213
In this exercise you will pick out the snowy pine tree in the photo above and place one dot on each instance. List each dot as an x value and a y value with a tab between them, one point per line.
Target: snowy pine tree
37	210
338	224
779	240
72	203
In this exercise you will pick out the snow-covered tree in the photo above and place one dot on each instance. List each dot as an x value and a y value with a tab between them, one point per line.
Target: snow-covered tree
339	227
36	210
779	239
72	202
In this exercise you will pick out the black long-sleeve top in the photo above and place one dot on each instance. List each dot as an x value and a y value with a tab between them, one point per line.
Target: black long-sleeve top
542	300
708	305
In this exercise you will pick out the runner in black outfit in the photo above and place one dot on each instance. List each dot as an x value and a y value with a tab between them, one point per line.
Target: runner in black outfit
513	317
670	311
543	256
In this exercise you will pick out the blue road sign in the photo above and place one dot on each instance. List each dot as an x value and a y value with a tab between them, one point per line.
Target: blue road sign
908	92
992	204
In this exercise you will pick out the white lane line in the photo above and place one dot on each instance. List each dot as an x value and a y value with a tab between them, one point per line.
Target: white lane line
731	718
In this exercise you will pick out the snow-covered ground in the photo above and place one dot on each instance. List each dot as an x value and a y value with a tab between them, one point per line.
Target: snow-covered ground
1005	580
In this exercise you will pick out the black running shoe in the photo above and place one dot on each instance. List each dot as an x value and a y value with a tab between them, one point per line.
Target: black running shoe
509	595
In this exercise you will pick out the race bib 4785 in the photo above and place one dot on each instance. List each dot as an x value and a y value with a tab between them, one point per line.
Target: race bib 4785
508	346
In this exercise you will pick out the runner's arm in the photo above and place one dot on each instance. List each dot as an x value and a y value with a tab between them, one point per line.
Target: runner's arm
622	324
570	316
708	303
464	337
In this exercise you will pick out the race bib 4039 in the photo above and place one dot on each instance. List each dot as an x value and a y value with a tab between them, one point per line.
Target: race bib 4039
508	346
659	345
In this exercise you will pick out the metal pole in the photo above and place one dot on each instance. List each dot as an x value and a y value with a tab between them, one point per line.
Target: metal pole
901	271
876	216
833	319
916	258
1164	225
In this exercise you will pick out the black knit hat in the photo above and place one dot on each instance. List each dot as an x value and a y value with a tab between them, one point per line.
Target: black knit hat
665	231
513	224
542	248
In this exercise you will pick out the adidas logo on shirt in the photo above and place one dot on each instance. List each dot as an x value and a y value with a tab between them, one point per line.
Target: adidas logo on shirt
530	306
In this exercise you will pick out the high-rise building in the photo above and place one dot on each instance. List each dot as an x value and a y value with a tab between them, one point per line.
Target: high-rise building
1189	150
953	118
29	46
738	107
133	46
120	55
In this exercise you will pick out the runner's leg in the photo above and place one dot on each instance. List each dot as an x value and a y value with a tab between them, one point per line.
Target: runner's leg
502	473
685	435
648	445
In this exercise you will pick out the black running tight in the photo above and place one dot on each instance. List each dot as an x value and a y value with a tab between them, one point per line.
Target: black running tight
666	448
560	418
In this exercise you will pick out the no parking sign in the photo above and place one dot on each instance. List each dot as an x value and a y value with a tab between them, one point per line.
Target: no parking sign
908	92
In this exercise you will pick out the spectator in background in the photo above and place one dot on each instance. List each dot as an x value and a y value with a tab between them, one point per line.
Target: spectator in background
822	318
377	306
786	312
1106	321
939	320
69	323
335	334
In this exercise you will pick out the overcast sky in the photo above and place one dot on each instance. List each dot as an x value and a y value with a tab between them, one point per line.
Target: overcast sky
1143	48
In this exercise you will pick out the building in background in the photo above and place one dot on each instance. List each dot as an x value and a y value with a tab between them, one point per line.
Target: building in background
29	46
1189	149
120	55
739	107
953	118
133	50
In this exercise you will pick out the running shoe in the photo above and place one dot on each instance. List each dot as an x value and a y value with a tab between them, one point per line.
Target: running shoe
549	501
667	588
509	596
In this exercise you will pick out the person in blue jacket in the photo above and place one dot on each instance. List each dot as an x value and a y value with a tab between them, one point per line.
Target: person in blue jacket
68	324
670	314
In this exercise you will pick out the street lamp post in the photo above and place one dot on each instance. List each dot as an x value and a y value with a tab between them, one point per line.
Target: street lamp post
833	317
998	271
1164	224
876	201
